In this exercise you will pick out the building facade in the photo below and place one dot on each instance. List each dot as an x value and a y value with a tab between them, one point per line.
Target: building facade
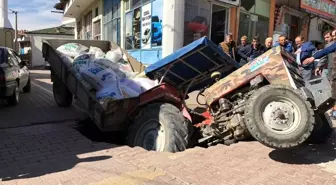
152	29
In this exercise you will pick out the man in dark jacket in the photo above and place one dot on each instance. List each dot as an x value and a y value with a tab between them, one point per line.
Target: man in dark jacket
305	50
251	51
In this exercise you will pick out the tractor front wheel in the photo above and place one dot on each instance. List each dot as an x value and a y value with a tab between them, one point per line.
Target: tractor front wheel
279	116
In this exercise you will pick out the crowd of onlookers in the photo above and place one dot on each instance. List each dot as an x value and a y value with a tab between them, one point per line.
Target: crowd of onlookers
313	59
301	49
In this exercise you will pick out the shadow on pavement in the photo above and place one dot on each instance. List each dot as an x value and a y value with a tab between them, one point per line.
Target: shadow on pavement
307	154
40	170
34	151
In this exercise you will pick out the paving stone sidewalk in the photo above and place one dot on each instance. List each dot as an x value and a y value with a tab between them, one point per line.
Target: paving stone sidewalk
54	154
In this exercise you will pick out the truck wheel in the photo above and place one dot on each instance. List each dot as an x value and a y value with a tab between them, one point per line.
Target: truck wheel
322	130
63	97
279	116
26	89
14	99
160	127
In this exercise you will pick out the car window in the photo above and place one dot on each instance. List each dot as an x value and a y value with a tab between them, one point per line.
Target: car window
17	57
12	59
3	56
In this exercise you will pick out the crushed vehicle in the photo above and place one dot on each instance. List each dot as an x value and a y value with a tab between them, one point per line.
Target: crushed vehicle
266	99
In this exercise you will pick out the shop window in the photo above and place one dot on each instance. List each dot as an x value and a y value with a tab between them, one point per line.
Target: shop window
218	23
79	30
112	21
262	28
96	30
143	25
252	25
88	26
196	20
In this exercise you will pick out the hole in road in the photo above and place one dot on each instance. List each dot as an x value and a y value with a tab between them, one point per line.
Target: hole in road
88	129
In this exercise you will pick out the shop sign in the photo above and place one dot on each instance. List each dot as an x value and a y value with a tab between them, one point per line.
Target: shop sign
232	2
146	23
325	8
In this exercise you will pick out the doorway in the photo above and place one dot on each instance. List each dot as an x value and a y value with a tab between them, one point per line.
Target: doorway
218	23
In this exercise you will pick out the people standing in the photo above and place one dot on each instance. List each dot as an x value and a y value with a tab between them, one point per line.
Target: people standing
331	49
251	51
327	60
285	44
322	53
229	46
268	43
243	43
304	50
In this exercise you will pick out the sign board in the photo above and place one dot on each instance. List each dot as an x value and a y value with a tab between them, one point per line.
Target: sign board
324	8
232	2
146	26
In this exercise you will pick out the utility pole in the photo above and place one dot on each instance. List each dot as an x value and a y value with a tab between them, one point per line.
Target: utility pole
16	29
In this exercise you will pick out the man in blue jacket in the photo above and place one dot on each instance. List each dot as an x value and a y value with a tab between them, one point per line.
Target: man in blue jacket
320	54
282	41
332	76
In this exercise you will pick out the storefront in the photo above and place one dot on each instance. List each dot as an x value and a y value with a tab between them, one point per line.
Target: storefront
254	19
137	25
143	29
291	22
207	18
324	13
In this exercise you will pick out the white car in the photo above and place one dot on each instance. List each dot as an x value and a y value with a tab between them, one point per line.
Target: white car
14	76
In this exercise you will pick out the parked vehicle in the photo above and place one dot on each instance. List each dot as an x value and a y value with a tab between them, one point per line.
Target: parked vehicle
14	76
159	119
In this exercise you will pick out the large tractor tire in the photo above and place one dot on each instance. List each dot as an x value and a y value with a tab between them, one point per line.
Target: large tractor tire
322	130
279	116
160	127
62	96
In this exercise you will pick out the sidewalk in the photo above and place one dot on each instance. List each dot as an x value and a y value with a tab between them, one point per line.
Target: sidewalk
54	154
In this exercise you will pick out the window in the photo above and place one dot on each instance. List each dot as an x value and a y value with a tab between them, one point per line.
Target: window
196	20
88	26
112	21
96	30
12	59
143	24
17	57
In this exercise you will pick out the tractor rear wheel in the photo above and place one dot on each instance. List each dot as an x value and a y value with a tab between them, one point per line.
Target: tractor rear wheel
160	127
